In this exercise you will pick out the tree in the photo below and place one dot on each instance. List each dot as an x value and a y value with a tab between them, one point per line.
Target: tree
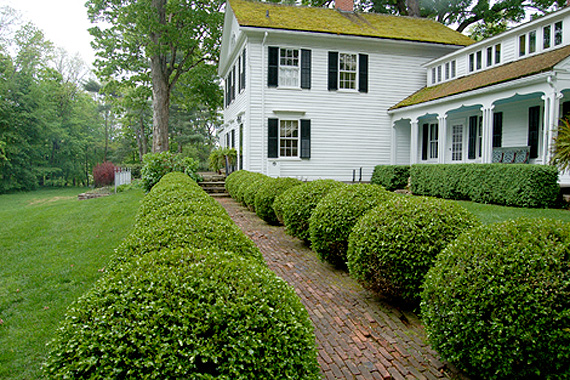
171	39
561	148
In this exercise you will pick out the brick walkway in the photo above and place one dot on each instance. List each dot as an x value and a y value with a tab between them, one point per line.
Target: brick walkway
359	336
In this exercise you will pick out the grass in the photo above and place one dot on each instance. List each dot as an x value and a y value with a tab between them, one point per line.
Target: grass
53	249
492	213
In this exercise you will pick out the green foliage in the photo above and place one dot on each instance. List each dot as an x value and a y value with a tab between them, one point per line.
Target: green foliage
497	302
238	184
189	297
217	159
187	314
336	214
250	190
266	195
295	206
392	247
510	185
391	177
561	148
156	165
233	181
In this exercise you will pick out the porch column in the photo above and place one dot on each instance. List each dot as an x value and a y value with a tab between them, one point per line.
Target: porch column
550	122
487	134
442	143
414	142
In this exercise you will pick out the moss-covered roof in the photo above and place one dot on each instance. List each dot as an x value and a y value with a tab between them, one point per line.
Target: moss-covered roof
518	69
323	20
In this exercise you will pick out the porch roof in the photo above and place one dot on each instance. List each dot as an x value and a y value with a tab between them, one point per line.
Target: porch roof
324	20
517	69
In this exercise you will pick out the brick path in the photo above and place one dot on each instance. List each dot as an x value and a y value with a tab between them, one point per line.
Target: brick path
358	336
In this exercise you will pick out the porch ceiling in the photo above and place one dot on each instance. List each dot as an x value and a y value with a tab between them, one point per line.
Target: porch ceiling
510	71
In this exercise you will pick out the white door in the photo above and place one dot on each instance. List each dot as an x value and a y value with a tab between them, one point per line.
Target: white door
457	143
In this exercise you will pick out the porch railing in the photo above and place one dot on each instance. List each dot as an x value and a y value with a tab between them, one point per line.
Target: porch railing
511	155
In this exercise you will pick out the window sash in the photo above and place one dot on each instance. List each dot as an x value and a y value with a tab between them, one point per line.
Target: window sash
457	143
558	33
546	37
289	67
433	140
288	138
347	70
522	45
532	42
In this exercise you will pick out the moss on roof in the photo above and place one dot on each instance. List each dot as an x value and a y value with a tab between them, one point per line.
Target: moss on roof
324	20
518	69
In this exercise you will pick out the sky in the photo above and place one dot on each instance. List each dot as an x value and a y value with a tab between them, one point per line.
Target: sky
64	23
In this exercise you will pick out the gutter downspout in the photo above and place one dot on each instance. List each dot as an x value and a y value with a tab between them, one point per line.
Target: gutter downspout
263	118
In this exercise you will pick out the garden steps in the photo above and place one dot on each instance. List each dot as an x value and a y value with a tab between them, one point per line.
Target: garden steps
214	184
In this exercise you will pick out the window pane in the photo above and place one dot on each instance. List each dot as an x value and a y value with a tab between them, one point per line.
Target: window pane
558	33
532	41
433	75
498	53
471	62
289	67
439	73
288	138
347	71
546	37
453	69
489	56
447	71
522	45
479	59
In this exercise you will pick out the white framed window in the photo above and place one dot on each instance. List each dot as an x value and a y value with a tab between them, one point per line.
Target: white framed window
453	69
489	56
497	53
433	77
546	37
558	33
433	137
522	45
471	62
289	138
289	67
347	69
439	73
479	60
532	41
446	70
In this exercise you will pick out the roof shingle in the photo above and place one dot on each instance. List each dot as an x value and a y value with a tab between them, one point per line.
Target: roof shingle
324	20
518	69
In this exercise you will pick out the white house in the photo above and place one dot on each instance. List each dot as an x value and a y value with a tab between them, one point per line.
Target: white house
321	93
307	90
498	100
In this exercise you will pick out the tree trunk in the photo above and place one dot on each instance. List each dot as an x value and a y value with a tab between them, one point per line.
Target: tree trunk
160	88
413	8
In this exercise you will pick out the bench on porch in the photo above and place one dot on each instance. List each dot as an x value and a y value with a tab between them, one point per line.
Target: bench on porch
511	155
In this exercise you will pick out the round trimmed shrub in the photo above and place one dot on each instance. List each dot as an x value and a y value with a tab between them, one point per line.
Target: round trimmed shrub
497	301
294	207
251	190
186	315
243	183
233	180
266	195
193	231
392	247
332	220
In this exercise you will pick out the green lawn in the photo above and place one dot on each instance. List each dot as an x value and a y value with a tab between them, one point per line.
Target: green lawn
492	213
53	248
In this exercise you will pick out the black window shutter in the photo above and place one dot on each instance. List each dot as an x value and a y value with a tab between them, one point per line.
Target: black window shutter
363	72
273	67
305	138
233	83
305	68
333	70
472	138
239	74
233	138
533	126
272	138
425	129
243	72
497	129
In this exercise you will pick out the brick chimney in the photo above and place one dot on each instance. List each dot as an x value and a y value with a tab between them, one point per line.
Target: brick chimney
346	5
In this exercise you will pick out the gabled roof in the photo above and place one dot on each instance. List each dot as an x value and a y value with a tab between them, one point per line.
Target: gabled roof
517	69
324	20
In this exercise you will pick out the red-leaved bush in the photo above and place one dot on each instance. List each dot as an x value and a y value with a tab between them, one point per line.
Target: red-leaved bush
104	174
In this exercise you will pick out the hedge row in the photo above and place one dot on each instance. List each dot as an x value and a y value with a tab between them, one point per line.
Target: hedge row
391	177
510	185
189	296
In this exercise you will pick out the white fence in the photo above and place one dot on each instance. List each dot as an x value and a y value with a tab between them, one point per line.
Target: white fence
122	177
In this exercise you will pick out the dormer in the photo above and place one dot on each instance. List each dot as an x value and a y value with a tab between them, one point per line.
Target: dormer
544	34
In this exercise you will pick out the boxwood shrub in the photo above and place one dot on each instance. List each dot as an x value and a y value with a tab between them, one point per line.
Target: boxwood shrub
251	189
265	197
190	231
391	177
392	247
294	207
242	183
233	180
156	165
336	214
497	301
186	314
510	185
